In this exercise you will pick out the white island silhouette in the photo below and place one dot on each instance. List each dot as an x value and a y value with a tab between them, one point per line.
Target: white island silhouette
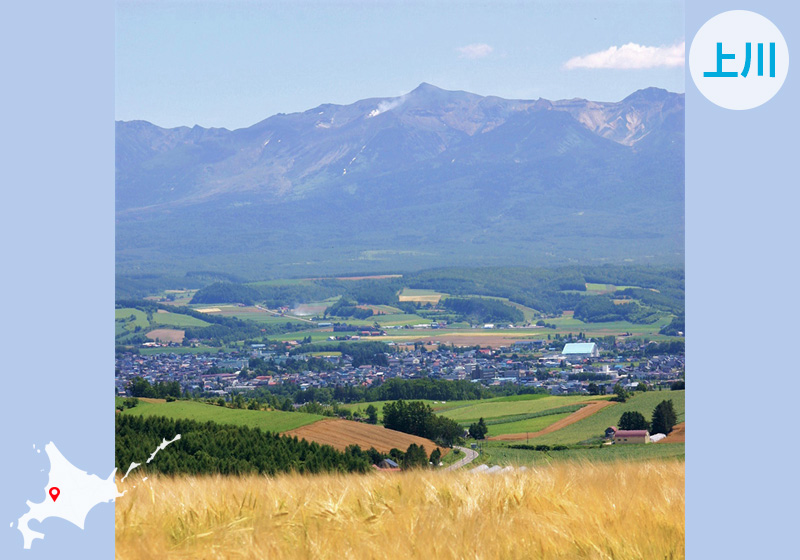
79	493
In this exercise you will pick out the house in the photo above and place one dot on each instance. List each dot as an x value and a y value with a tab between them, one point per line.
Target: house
580	350
631	436
388	464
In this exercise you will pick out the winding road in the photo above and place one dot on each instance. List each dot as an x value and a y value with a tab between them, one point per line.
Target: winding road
469	457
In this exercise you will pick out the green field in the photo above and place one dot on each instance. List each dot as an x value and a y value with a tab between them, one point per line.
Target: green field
178	320
390	309
595	425
492	408
281	282
499	453
419	292
498	408
316	336
568	324
393	319
266	318
362	406
530	425
604	288
140	317
273	420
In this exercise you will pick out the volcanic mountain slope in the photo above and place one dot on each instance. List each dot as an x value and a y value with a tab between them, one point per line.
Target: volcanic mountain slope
431	177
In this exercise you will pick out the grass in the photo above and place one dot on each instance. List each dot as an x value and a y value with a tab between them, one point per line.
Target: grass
595	425
568	510
501	453
140	317
273	420
178	320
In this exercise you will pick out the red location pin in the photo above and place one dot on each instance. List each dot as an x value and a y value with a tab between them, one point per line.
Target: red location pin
54	492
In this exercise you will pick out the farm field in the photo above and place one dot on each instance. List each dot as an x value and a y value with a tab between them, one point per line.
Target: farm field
677	435
501	453
517	414
281	282
595	425
420	296
166	335
582	411
574	507
528	425
341	433
140	316
569	324
362	406
272	420
177	320
440	407
267	318
180	350
491	408
594	288
506	337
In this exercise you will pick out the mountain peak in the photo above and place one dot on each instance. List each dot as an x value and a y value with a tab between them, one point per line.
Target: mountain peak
649	94
425	87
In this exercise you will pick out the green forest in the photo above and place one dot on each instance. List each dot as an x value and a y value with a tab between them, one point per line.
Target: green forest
210	448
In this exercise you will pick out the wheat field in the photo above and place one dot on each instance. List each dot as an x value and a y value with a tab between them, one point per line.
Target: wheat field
562	511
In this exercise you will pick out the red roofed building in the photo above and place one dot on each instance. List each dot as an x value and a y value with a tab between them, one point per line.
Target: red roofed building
631	436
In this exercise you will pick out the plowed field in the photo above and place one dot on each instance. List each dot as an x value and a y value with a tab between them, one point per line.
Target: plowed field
341	433
166	335
677	435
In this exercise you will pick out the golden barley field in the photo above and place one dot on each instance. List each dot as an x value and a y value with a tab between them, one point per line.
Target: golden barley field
564	511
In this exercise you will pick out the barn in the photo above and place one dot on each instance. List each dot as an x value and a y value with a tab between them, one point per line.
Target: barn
631	436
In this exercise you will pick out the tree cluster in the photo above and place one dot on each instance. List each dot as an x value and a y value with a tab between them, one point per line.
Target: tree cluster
483	310
141	387
478	430
417	418
662	422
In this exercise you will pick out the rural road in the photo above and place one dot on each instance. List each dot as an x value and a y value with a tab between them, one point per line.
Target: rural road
469	457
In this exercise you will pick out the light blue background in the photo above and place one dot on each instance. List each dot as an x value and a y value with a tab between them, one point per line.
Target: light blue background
57	203
742	228
57	238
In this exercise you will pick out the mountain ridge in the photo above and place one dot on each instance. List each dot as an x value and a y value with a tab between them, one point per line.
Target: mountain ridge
522	158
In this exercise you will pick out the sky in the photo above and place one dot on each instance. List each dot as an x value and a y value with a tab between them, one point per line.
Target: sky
234	63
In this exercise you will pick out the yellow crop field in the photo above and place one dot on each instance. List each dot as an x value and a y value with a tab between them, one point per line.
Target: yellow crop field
561	511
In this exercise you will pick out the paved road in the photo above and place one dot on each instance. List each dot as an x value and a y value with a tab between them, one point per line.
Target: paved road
469	457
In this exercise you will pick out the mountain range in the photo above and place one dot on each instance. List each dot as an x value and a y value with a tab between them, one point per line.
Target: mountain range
430	178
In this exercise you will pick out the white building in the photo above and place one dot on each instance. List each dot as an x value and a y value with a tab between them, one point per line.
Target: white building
580	350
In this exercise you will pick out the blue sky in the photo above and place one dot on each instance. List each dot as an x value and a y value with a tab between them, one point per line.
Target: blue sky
232	64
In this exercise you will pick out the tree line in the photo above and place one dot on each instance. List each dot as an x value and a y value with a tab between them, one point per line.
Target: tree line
210	448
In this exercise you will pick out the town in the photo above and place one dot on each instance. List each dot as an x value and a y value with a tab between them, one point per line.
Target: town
538	365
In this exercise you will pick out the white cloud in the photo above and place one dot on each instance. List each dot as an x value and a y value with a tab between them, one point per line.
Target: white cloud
631	57
476	50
